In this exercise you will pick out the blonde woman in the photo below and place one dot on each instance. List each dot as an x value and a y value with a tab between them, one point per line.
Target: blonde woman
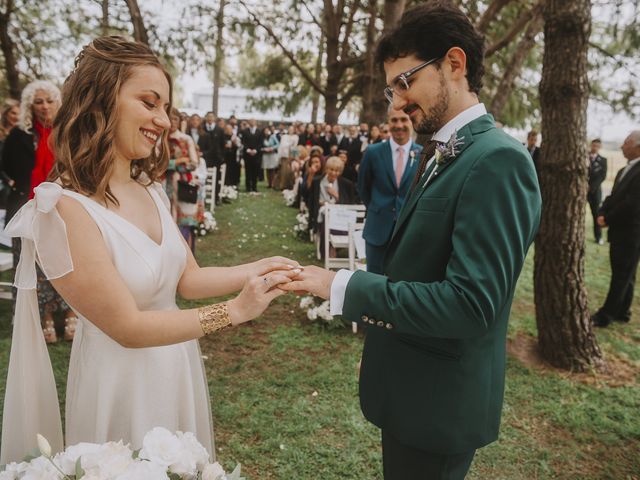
105	237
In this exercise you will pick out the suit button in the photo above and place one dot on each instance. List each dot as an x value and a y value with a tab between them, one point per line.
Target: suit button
372	321
364	318
380	323
389	326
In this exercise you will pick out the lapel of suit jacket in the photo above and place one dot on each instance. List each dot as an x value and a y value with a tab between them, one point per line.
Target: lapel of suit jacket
409	170
633	171
387	160
465	136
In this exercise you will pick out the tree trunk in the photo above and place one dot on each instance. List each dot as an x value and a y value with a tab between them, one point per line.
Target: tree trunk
9	51
105	17
368	79
315	99
218	62
565	335
513	69
375	108
139	30
332	21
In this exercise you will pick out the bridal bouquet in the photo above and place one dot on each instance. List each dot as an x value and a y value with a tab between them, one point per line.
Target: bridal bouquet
229	192
163	456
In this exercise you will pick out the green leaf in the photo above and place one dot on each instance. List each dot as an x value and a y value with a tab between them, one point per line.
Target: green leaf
79	470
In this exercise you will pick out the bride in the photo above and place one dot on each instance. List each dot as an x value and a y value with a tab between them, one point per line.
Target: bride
102	233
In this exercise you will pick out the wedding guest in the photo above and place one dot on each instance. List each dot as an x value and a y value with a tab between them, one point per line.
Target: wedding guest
313	167
534	150
384	132
620	212
353	147
330	188
597	175
270	160
252	139
230	154
9	116
374	136
27	160
327	141
106	239
195	127
188	181
385	176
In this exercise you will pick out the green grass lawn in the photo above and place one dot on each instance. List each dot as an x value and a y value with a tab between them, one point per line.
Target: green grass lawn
284	390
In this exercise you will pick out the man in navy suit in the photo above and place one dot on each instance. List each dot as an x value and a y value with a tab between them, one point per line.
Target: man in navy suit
385	176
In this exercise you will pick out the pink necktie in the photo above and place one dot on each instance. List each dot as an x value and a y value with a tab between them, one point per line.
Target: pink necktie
399	165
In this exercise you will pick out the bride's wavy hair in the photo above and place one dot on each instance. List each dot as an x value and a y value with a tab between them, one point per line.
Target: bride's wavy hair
84	129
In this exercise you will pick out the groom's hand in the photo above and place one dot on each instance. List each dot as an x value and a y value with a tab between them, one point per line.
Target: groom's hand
315	280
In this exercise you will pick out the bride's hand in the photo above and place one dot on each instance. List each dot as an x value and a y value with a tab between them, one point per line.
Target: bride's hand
270	264
258	292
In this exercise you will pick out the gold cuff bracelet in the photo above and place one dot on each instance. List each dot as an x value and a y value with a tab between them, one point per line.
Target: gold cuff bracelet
214	317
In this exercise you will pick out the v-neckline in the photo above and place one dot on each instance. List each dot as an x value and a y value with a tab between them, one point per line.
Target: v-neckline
135	227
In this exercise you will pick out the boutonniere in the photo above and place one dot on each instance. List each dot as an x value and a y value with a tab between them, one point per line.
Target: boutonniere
412	157
446	152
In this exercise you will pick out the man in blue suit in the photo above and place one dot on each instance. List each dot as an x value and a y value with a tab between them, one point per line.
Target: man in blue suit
384	179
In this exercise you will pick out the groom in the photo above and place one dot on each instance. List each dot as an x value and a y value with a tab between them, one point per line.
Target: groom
433	364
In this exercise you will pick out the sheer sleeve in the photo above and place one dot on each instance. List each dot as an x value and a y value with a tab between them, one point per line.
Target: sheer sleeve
31	399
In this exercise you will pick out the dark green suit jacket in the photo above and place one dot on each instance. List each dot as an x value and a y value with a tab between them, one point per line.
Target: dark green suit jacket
433	364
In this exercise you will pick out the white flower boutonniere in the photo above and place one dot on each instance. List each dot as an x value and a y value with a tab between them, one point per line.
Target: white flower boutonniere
445	153
412	157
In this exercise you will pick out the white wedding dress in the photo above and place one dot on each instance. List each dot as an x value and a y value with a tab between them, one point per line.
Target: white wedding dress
117	393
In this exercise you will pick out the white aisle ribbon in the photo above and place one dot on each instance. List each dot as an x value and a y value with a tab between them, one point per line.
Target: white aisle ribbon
31	398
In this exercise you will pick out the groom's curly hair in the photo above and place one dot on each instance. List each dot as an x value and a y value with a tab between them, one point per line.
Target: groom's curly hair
428	31
84	128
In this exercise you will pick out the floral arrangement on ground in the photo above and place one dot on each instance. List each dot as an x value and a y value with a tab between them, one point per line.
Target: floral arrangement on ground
228	193
318	310
301	229
163	456
208	225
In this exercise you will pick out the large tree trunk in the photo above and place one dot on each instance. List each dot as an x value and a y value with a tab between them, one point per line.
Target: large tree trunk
139	30
315	96
217	63
375	108
9	51
368	79
565	334
513	69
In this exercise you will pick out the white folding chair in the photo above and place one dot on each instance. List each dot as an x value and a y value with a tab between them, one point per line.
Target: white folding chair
357	248
210	188
339	217
223	176
6	263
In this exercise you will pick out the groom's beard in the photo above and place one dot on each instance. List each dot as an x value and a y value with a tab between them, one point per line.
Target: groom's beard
433	119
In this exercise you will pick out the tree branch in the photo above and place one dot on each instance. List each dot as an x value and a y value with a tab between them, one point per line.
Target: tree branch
307	76
348	95
515	29
344	49
313	17
490	14
619	62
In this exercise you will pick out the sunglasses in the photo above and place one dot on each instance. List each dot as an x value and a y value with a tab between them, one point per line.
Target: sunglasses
400	84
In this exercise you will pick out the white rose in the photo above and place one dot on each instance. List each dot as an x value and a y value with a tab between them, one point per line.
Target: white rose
110	460
13	470
67	460
143	470
198	452
306	302
312	314
213	471
41	468
160	446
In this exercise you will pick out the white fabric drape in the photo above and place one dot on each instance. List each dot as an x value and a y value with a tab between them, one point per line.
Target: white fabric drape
31	399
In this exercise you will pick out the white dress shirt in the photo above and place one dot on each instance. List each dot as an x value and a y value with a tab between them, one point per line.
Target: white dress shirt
628	167
340	281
